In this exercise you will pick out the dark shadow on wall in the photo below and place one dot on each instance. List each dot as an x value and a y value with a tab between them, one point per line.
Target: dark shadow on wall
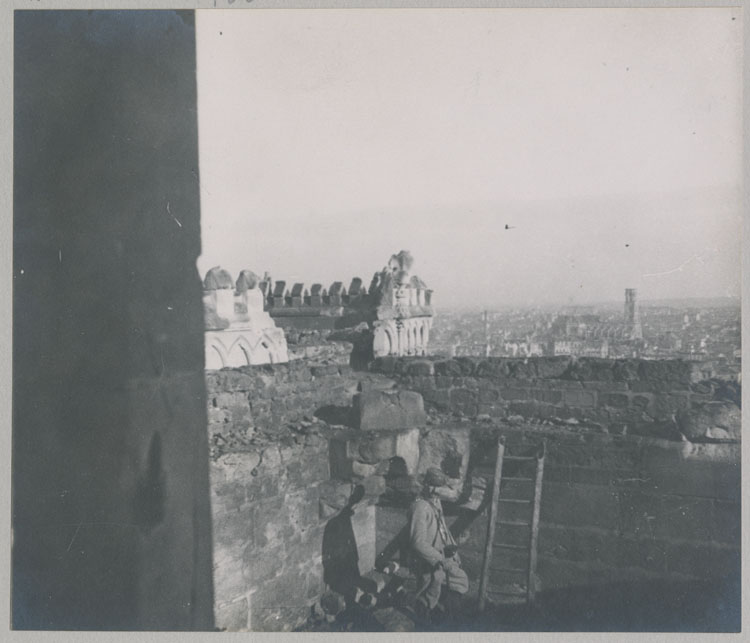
654	606
336	415
111	515
340	555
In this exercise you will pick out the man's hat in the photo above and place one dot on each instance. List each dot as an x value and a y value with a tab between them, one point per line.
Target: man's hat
435	477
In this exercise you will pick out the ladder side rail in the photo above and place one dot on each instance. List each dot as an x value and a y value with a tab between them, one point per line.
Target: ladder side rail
491	523
531	584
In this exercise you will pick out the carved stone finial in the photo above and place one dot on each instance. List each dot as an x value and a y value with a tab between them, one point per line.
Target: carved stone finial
400	264
218	279
247	281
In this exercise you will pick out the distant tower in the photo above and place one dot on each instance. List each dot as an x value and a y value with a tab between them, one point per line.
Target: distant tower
486	334
632	317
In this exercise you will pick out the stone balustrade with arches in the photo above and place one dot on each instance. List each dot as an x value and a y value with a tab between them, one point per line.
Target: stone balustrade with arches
246	319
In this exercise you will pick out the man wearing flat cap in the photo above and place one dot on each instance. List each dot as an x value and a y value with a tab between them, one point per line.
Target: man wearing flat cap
434	550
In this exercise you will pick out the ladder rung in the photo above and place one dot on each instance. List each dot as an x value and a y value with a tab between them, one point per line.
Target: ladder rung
509	569
521	500
520	458
513	523
508	546
516	479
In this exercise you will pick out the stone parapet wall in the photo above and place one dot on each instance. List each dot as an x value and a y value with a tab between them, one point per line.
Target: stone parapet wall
292	496
268	566
309	494
616	509
616	396
272	395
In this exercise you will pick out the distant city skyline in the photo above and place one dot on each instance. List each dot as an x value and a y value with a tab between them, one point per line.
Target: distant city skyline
522	156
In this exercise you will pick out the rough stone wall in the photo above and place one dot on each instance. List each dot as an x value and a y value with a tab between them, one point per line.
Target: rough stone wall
283	522
615	396
271	396
617	512
268	568
111	517
615	509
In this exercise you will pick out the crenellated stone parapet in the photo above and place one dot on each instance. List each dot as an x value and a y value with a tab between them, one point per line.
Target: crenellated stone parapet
239	332
396	308
241	317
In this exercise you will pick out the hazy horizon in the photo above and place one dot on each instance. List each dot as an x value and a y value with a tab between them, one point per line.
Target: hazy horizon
608	141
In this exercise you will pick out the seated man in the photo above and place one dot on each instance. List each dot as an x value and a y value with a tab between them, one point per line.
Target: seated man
433	549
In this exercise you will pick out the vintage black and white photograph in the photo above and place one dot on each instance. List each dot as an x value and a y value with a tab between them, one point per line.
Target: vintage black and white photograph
352	320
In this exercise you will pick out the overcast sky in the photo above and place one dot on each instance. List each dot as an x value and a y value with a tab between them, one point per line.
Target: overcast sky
608	140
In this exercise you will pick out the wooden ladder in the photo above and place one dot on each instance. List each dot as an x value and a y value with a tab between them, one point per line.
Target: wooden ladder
496	500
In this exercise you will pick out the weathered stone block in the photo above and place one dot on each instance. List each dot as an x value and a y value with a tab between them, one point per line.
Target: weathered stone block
551	367
420	367
308	470
471	383
516	394
448	367
549	396
314	584
606	387
447	382
498	411
618	400
464	401
262	563
265	484
447	449
363	470
228	496
231	527
424	383
385	364
233	617
699	421
374	410
642	402
438	399
229	580
488	395
305	551
677	372
374	448
582	398
302	508
271	523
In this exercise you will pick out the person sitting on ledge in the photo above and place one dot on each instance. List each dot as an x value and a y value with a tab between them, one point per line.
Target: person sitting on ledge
433	551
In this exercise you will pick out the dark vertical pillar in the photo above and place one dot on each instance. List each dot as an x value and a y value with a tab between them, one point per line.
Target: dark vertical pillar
111	515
